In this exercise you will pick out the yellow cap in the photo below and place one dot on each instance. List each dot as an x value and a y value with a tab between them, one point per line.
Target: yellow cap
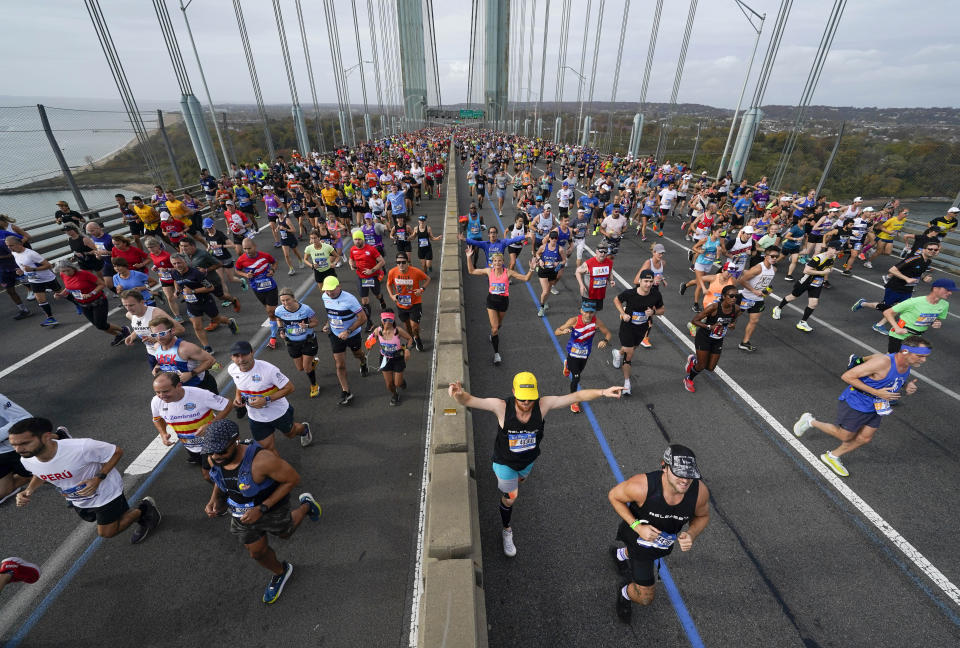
330	283
358	235
525	386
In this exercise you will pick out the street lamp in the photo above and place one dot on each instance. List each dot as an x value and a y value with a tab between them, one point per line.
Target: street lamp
583	80
726	147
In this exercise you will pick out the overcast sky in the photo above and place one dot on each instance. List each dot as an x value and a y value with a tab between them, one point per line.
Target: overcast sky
882	55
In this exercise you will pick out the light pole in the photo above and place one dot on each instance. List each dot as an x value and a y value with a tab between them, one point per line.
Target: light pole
583	79
203	79
756	42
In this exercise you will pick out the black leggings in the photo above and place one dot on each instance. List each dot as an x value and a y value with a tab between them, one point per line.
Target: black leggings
96	312
575	366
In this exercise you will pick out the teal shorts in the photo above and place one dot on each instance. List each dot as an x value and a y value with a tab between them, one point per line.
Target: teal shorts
508	479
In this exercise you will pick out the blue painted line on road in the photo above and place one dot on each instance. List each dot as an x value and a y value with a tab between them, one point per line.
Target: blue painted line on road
673	592
78	564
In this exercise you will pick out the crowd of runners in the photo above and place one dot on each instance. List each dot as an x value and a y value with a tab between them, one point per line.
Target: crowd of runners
572	208
350	220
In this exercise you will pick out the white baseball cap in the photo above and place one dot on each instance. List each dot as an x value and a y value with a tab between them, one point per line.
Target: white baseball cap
858	199
868	209
833	209
953	210
748	229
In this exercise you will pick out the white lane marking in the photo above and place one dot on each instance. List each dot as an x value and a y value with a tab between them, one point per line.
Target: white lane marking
417	597
50	347
933	383
149	458
898	540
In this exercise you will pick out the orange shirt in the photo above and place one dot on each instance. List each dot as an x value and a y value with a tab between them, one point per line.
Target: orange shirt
403	285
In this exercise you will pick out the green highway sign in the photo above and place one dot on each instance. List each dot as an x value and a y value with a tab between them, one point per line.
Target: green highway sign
471	114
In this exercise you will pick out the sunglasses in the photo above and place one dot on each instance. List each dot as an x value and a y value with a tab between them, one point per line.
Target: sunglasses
160	334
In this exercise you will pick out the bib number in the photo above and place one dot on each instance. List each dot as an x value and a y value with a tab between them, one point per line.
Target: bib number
579	350
368	282
190	298
262	284
77	294
639	317
882	407
816	282
404	300
522	441
238	510
165	274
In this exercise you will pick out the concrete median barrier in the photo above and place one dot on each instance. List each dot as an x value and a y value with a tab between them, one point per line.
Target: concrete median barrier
452	611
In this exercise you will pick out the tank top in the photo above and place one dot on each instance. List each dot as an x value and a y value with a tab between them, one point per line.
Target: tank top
140	324
80	249
499	284
104	243
864	402
550	258
708	253
544	225
581	338
718	323
670	519
758	283
242	492
423	238
171	360
390	347
517	444
657	272
371	236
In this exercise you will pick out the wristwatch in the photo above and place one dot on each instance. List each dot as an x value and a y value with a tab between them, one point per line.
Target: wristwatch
101	476
263	508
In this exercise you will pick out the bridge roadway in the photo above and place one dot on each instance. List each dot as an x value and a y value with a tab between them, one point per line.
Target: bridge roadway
787	559
192	583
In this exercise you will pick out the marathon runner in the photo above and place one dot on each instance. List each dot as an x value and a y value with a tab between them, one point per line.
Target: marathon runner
39	275
140	315
636	307
520	425
406	286
258	268
175	355
345	319
394	351
424	236
753	284
85	290
498	297
654	508
368	263
582	329
904	277
297	321
711	327
196	291
599	270
254	487
815	274
915	315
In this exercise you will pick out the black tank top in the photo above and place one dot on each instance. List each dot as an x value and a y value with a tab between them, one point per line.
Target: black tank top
81	249
655	510
518	444
718	323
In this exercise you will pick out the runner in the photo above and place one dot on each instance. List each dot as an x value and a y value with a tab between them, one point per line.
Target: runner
520	424
498	298
13	476
185	412
711	324
345	318
424	236
164	269
140	315
549	259
653	508
394	351
85	290
258	268
368	263
39	275
212	268
706	250
915	315
196	292
262	389
656	265
175	355
255	487
599	269
636	307
815	274
904	277
297	323
753	289
84	471
582	328
873	385
612	228
321	257
406	286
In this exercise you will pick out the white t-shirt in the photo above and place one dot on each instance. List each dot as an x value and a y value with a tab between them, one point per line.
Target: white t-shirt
263	379
564	196
189	414
10	413
30	259
667	198
76	461
140	324
614	226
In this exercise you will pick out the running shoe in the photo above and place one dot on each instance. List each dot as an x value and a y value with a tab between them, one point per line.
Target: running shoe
394	399
272	343
660	233
857	305
208	349
804	423
696	308
643	238
776	312
827	284
835	464
496	359
63	432
226	302
683	288
291	272
846	272
688	385
275	588
575	408
418	343
746	346
868	265
306	437
540	312
879	328
30	295
624	606
509	549
20	570
645	343
315	510
884	279
862	256
596	231
243	284
119	338
788	278
50	321
25	314
566	372
277	244
617	358
622	566
232	325
236	305
314	390
691	363
149	519
364	370
626	388
212	326
803	326
554	291
853	360
345	398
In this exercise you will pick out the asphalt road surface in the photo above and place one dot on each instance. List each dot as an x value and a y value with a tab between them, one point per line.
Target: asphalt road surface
793	556
191	583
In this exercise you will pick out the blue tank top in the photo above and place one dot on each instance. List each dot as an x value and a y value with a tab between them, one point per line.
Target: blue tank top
242	492
473	228
709	252
864	402
295	324
550	258
171	360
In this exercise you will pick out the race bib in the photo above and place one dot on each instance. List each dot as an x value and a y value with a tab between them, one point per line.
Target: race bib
746	303
336	322
718	331
368	282
262	284
521	441
164	274
424	242
190	440
77	294
578	350
882	407
283	234
72	493
925	319
816	282
296	330
404	300
190	298
498	288
639	317
662	541
600	282
238	510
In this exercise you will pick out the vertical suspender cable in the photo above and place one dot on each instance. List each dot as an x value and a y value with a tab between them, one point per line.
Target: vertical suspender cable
543	62
562	56
616	73
372	20
321	142
254	80
583	60
433	52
